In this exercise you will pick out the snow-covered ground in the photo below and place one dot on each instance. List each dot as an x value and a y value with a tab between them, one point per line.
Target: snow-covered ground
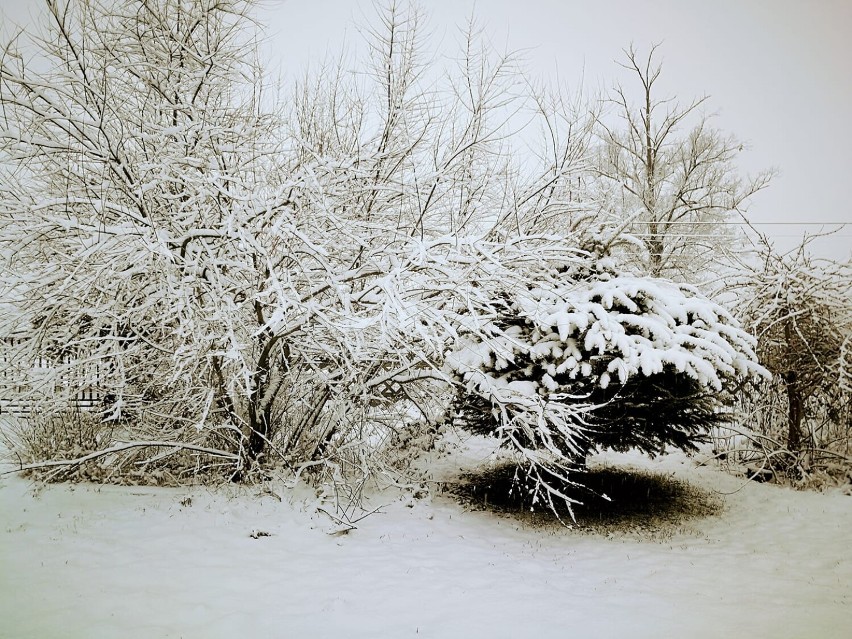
94	562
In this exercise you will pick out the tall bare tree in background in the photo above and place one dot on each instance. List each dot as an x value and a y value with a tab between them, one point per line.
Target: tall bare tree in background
673	189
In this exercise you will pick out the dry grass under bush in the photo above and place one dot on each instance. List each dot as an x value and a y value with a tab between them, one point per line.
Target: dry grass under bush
765	458
639	501
65	435
73	434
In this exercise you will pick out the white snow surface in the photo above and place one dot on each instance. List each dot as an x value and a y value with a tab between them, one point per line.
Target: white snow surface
94	562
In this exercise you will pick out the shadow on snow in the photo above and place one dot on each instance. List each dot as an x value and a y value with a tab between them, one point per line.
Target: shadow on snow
639	501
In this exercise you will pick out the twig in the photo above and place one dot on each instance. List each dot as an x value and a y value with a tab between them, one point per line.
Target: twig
339	522
346	521
365	515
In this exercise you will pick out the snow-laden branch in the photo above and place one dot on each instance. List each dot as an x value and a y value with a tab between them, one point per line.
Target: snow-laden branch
117	448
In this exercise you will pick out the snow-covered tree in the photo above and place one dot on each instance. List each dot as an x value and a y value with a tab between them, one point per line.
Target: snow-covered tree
597	360
138	218
800	310
241	279
672	190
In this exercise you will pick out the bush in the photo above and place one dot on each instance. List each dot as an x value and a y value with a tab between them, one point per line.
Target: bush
68	434
800	420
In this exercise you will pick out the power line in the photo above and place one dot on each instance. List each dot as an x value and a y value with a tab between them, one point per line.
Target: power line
736	223
690	235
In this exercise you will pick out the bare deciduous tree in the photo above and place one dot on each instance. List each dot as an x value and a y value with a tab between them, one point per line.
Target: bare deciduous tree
237	277
672	190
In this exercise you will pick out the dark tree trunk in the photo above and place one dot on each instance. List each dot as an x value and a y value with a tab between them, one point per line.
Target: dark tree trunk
266	382
258	430
794	411
795	403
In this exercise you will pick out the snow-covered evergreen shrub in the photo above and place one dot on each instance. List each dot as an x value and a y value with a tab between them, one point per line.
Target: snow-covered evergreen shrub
615	361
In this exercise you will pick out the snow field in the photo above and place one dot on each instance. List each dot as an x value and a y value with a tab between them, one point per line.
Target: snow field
104	561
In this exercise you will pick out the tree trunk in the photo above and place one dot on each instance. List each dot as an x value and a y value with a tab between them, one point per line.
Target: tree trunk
258	431
794	411
266	383
655	242
795	404
655	247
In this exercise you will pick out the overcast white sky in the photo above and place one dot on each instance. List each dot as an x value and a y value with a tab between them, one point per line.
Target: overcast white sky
776	71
